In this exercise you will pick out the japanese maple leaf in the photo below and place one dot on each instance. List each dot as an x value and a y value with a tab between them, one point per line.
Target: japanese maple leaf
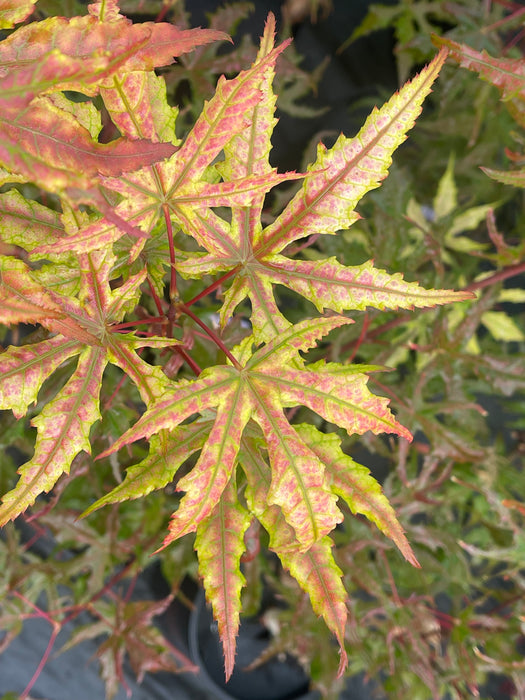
130	632
508	76
81	326
325	204
45	141
177	187
295	498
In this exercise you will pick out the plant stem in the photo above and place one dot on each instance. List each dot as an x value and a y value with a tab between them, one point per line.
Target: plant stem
156	299
212	286
210	333
499	276
131	324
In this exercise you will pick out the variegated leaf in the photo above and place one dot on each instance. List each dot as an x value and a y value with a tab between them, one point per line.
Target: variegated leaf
274	376
219	544
314	570
82	325
325	204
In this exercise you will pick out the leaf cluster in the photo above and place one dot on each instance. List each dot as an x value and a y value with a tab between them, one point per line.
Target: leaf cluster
155	278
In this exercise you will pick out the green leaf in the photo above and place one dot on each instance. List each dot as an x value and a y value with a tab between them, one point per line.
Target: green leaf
446	199
502	327
516	178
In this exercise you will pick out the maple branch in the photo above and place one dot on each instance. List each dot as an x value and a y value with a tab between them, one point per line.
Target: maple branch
498	276
182	352
212	287
210	333
156	299
131	324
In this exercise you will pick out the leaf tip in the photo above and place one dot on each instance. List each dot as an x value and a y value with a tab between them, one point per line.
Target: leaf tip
343	661
229	662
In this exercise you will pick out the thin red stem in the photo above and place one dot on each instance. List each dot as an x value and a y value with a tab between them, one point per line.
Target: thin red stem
498	276
359	341
155	296
210	333
215	285
131	324
43	661
162	14
190	361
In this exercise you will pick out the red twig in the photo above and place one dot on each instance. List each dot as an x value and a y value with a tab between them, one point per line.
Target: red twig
211	333
215	285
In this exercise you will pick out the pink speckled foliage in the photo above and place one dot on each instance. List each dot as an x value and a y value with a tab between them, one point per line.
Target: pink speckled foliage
74	280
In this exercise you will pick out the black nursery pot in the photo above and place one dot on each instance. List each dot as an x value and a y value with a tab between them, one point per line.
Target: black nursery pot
277	679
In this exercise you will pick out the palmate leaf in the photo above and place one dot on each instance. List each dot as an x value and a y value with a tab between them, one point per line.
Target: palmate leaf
78	54
82	327
326	203
129	634
178	183
269	381
296	499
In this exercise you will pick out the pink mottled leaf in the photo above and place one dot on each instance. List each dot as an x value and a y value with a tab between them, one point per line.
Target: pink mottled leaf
82	51
13	11
230	428
333	286
507	74
332	187
63	431
219	544
298	481
24	300
318	574
79	54
138	106
82	325
24	369
67	156
207	480
26	223
178	182
357	487
342	175
273	377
